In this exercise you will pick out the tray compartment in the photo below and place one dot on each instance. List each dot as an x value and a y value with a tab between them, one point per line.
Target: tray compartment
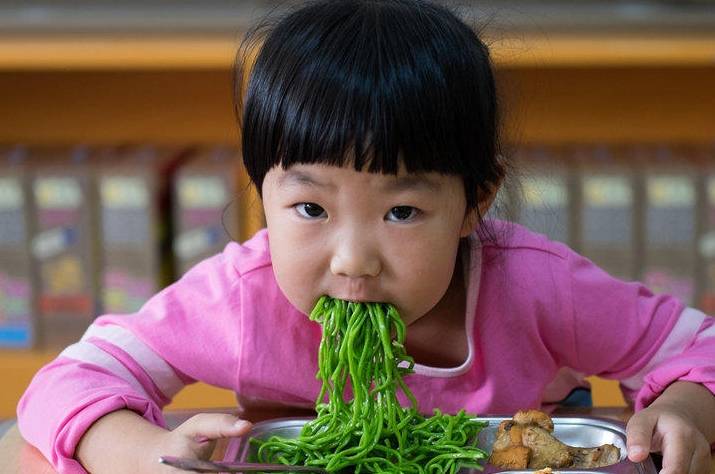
575	431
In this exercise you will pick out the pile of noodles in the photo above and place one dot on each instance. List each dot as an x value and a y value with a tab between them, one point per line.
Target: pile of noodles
361	350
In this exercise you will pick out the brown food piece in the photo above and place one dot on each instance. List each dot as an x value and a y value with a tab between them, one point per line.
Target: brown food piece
595	457
546	451
526	441
514	457
534	417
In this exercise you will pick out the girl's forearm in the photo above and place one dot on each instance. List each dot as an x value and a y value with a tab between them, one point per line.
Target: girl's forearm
696	400
121	441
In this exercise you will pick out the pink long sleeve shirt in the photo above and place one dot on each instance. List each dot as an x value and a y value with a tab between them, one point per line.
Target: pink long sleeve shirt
539	317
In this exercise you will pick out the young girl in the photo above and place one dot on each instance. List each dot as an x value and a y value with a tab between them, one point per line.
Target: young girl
370	129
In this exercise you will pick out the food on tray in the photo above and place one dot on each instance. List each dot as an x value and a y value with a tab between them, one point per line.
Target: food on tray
362	347
527	441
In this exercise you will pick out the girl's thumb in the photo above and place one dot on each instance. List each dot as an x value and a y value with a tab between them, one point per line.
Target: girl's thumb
214	426
639	435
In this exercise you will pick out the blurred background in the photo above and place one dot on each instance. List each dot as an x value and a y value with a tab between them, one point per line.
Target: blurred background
120	166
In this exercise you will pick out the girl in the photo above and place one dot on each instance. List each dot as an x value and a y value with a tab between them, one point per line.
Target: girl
370	131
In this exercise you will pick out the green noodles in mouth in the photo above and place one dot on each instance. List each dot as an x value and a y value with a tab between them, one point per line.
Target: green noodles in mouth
362	351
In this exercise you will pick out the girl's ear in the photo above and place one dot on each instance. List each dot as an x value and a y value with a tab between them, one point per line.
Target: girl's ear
471	219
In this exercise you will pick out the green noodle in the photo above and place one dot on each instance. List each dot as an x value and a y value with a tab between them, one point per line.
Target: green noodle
362	350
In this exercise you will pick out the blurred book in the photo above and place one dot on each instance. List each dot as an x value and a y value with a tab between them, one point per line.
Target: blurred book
17	290
704	159
670	215
546	202
607	215
135	248
63	242
206	212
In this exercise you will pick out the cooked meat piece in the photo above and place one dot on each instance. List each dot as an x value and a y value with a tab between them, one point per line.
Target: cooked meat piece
546	451
595	457
508	452
508	434
526	441
514	457
534	417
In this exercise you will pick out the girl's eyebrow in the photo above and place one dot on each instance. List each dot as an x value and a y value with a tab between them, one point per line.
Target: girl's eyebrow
293	177
408	183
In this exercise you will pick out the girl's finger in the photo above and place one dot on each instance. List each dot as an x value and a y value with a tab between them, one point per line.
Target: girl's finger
677	454
214	426
700	463
639	434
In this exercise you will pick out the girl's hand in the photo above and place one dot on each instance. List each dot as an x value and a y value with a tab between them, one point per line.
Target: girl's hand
668	429
196	437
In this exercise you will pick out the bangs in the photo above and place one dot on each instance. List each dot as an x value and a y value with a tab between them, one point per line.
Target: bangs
373	85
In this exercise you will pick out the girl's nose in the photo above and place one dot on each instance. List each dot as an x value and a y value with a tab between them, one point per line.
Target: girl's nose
354	258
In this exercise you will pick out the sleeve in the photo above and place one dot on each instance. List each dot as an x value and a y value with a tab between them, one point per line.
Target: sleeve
187	332
623	331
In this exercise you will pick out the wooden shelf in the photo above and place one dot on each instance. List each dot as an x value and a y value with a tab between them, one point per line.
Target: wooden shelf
604	51
165	52
115	53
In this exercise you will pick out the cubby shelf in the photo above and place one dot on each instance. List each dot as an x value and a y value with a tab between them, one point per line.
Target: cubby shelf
557	89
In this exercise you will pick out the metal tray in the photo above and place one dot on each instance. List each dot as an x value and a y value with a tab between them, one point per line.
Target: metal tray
575	431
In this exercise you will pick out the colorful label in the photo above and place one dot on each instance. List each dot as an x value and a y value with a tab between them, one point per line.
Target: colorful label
195	192
607	191
195	242
58	193
544	193
124	192
670	191
10	194
15	296
63	276
125	293
53	242
15	311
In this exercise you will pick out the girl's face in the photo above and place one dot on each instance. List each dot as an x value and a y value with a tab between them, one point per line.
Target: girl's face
364	236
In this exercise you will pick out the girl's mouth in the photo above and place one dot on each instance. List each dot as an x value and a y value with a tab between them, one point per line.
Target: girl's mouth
357	290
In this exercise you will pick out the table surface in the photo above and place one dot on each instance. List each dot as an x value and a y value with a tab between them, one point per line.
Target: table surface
16	456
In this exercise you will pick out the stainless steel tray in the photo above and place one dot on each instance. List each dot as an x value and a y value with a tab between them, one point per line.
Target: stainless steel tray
575	431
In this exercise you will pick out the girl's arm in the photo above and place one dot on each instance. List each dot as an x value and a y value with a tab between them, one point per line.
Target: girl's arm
137	362
99	450
142	443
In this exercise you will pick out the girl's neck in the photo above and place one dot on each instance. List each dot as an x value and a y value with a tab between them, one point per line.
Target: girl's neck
445	322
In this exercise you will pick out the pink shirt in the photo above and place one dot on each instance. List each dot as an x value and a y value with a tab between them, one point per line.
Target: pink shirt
539	317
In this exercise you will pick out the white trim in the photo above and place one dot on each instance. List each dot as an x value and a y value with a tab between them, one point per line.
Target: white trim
472	274
683	334
91	354
160	372
706	333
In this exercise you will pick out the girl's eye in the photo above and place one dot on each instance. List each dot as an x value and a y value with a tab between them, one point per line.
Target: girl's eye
309	210
401	213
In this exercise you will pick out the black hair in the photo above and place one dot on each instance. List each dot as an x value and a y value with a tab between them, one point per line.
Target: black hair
371	84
